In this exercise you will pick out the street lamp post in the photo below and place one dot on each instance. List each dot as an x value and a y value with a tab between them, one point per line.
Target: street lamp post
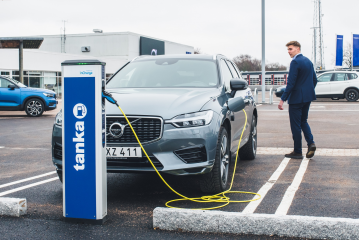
263	54
21	61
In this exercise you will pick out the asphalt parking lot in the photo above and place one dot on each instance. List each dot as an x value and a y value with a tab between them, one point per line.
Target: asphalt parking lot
325	186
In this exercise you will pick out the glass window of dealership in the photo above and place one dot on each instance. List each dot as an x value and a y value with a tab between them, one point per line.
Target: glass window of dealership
37	79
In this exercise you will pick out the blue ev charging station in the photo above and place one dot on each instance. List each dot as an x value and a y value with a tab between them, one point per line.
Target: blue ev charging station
84	141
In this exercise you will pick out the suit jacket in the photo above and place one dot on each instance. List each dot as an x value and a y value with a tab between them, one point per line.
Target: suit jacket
301	81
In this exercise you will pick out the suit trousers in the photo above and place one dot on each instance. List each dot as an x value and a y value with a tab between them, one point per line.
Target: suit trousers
298	115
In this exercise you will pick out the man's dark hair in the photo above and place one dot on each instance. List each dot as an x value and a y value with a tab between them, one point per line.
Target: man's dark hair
293	43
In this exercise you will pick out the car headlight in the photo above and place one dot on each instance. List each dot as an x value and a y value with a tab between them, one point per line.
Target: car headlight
49	94
58	118
192	119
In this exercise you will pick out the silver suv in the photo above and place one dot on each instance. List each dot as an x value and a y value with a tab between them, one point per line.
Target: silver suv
180	108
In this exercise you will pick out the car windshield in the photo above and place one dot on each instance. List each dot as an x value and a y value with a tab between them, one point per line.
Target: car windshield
15	81
167	73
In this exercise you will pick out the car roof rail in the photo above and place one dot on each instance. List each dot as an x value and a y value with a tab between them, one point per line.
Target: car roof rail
216	55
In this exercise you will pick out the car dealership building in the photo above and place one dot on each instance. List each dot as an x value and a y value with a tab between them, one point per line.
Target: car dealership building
42	67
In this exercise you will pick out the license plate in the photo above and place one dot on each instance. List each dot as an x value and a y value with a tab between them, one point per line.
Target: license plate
123	152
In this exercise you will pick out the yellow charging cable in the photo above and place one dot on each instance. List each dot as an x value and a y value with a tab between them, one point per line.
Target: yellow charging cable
217	198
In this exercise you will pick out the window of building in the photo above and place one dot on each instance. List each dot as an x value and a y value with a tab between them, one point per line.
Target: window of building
3	73
49	80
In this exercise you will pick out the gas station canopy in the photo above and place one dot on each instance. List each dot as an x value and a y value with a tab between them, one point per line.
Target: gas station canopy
14	42
21	43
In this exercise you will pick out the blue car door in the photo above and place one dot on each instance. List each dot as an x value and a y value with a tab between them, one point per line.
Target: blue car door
9	97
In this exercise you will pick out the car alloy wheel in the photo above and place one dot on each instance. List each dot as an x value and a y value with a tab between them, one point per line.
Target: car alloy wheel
249	150
216	181
352	95
224	160
34	108
254	136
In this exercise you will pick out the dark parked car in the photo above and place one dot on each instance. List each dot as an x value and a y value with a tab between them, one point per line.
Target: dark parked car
179	108
279	91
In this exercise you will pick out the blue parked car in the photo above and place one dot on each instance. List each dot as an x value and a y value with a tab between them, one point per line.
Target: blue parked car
15	96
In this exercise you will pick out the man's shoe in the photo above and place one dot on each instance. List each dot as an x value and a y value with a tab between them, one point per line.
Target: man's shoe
311	150
294	155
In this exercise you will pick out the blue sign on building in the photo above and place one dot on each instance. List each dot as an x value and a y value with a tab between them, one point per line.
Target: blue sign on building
355	50
339	51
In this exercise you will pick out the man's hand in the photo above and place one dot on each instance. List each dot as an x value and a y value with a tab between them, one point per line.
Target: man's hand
280	105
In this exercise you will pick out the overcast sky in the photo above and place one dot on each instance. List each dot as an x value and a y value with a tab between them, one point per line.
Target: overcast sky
230	27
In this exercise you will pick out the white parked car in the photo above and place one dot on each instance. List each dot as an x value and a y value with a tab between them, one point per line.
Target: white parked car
338	85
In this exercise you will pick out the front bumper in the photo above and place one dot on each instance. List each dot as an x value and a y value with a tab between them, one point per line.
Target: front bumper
162	152
51	104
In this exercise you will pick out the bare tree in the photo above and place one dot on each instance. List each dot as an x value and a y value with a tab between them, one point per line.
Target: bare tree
347	55
245	62
275	67
197	51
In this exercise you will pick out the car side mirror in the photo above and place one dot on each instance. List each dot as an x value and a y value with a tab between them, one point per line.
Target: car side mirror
238	84
11	86
236	104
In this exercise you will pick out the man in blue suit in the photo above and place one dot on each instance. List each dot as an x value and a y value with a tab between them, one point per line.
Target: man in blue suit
299	93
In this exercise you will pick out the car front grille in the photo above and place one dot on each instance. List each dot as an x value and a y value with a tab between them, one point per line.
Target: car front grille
142	163
58	151
194	154
148	129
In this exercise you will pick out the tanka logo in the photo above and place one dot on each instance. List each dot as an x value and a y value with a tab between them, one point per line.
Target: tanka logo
87	72
79	111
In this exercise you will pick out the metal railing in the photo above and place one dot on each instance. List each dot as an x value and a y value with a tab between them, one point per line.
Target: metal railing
272	80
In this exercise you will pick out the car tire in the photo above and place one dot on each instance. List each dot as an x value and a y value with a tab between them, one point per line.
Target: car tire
216	181
249	150
34	107
352	95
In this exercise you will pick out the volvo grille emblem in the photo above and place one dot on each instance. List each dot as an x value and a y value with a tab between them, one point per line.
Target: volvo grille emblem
116	129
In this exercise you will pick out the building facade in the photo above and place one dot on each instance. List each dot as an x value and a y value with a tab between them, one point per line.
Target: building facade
42	67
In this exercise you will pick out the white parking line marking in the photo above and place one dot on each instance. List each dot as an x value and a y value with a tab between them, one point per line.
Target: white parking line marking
27	179
316	110
329	104
252	206
329	152
28	186
292	189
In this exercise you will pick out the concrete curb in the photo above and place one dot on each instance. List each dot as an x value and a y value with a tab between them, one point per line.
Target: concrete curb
13	206
257	224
